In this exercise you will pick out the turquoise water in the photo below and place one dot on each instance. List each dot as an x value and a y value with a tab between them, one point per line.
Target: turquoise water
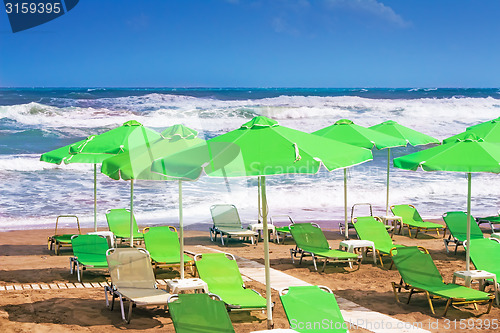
33	121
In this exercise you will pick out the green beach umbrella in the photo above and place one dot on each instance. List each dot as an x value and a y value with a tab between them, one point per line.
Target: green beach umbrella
266	149
136	164
96	148
411	136
489	131
469	155
345	130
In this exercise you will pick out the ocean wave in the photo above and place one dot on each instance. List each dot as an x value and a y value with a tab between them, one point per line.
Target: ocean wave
438	117
31	162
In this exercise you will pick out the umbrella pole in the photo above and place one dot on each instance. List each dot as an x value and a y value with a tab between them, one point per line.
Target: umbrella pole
469	194
95	197
181	230
346	225
266	253
259	213
131	213
388	169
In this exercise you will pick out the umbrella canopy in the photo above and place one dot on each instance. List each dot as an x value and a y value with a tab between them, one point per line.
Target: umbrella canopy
472	154
411	136
266	148
345	130
96	148
488	131
136	164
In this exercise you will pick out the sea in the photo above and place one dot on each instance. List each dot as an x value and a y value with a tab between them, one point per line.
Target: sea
37	120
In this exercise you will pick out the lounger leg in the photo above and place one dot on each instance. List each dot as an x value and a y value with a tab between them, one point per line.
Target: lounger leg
130	306
489	306
106	290
409	296
416	233
112	300
301	256
291	255
430	303
437	231
78	276
445	241
324	265
395	291
380	257
122	310
222	239
314	262
456	247
446	308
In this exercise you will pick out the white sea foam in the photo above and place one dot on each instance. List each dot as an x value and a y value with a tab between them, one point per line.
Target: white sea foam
31	162
437	117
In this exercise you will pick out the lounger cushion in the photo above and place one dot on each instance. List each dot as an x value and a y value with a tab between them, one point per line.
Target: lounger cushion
485	254
411	217
419	271
310	304
457	224
197	313
223	278
163	245
368	228
145	296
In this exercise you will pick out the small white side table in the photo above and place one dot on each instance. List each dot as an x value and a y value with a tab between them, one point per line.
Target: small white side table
480	275
176	286
258	227
394	221
352	244
108	234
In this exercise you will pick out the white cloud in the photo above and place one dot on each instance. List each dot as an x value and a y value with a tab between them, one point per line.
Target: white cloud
371	7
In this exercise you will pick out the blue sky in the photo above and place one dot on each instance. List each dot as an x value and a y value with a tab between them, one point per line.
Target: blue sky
258	43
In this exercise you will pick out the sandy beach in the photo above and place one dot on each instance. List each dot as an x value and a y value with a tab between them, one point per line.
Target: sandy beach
25	259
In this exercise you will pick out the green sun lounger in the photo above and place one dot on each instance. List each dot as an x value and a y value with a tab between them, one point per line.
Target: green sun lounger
491	220
132	279
311	240
163	246
309	308
456	222
412	219
281	230
227	222
61	240
198	313
89	252
119	224
485	254
222	275
419	274
372	229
